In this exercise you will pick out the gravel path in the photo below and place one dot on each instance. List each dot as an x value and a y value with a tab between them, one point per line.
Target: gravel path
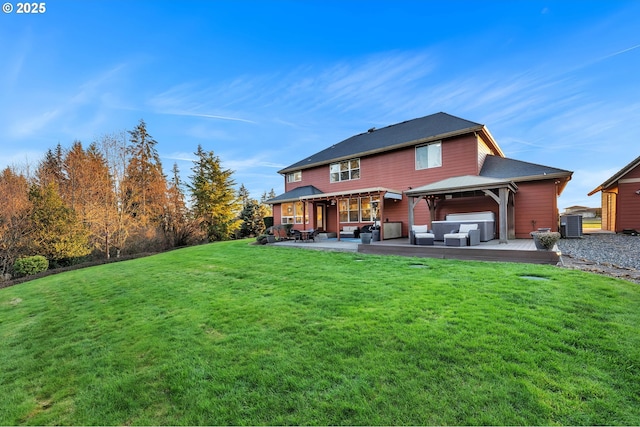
613	254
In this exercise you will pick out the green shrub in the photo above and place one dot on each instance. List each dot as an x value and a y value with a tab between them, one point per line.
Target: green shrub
262	239
30	265
268	221
545	239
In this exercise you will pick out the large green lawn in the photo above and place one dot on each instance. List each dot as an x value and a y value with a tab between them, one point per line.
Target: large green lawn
231	333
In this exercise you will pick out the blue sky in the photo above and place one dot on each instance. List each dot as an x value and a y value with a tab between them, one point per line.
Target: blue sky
265	83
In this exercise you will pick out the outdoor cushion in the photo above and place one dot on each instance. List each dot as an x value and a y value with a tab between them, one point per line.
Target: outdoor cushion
465	228
424	238
418	229
472	237
455	239
350	231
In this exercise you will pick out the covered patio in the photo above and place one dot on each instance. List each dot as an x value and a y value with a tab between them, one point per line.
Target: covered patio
500	190
326	208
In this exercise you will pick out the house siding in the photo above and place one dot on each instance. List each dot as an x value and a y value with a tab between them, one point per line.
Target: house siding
628	202
536	207
483	152
277	214
396	169
609	204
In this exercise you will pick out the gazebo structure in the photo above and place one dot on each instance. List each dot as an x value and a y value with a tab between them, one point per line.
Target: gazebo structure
500	190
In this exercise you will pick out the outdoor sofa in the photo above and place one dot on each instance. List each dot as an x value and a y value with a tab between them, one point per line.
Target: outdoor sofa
350	232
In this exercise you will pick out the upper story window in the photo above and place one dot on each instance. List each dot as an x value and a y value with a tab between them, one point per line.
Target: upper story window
294	176
345	171
429	155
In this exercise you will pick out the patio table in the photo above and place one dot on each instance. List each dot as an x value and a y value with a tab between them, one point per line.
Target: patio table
304	235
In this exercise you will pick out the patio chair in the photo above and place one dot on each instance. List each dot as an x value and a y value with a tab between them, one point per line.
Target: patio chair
421	235
466	235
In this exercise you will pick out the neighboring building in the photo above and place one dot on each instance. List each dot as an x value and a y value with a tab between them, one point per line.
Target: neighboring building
584	211
621	199
453	164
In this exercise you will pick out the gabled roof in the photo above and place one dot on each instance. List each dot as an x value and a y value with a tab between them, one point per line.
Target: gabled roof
410	132
517	170
295	194
622	172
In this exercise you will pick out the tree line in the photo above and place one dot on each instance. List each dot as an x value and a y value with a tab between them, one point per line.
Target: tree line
112	198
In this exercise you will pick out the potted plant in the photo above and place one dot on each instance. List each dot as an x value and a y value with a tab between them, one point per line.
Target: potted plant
366	233
545	240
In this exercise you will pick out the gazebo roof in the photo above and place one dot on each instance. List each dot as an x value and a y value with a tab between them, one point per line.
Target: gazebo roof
459	184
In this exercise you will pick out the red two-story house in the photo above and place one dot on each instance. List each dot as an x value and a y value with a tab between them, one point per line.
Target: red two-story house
416	172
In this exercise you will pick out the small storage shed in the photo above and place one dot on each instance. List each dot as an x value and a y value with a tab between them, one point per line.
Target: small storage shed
621	199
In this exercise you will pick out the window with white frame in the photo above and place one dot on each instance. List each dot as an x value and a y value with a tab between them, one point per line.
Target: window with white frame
294	176
344	171
300	209
429	155
287	213
357	209
291	213
368	209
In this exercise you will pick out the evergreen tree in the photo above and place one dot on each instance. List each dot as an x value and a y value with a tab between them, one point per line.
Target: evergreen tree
214	198
179	227
50	169
267	209
145	184
243	195
252	219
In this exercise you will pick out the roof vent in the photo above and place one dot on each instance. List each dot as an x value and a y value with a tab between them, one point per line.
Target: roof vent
371	130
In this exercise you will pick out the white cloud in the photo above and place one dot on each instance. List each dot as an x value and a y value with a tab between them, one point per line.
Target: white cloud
250	163
24	160
61	106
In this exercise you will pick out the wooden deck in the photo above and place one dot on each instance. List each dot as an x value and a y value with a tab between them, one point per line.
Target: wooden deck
519	250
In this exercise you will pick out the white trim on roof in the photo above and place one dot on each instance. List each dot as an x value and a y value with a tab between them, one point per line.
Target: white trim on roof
349	193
